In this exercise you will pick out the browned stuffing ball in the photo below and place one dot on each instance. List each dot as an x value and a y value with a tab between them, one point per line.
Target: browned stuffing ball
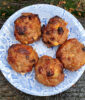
72	54
49	71
22	58
27	28
55	32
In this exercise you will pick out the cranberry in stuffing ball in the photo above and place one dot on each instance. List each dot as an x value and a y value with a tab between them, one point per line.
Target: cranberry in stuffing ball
27	28
49	71
55	32
22	58
72	54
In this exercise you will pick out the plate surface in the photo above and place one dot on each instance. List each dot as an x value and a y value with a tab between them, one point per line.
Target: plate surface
27	83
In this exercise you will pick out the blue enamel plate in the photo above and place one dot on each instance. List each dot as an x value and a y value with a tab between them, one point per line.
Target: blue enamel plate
27	83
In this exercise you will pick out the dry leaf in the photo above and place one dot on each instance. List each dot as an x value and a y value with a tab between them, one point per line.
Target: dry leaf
3	14
83	4
58	5
78	5
71	9
4	3
62	2
79	13
8	7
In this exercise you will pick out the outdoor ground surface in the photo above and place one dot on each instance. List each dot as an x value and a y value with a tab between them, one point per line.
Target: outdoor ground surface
77	8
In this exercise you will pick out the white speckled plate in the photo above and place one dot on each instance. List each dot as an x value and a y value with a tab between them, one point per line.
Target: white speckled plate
27	83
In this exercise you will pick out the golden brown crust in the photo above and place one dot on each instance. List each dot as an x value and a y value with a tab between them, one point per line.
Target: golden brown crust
27	28
49	71
55	32
72	54
22	57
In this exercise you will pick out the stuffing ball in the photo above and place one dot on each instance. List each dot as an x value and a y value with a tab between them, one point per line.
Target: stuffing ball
27	28
72	54
22	58
55	32
49	71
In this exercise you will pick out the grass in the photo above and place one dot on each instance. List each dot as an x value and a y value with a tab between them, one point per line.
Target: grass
8	7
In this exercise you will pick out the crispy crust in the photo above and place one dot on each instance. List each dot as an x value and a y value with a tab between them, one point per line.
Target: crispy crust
55	32
27	28
22	58
49	71
71	54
